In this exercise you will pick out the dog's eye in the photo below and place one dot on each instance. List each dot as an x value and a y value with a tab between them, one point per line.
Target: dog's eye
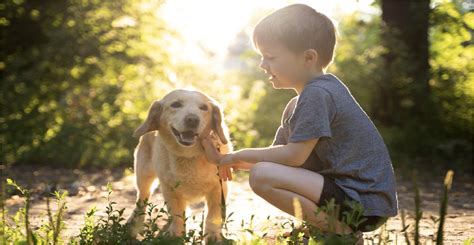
176	104
204	107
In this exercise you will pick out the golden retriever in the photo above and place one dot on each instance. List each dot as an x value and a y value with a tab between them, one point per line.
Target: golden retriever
170	150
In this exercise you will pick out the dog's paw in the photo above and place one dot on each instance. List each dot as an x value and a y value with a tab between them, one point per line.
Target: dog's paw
214	237
135	223
214	233
176	230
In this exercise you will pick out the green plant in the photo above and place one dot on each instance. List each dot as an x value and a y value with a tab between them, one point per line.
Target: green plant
18	229
418	212
107	230
469	241
448	180
52	229
112	228
405	227
22	216
306	231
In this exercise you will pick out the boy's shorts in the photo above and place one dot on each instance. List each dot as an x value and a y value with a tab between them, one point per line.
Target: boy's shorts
332	191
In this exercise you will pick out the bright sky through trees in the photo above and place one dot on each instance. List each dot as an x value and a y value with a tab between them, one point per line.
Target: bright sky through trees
209	26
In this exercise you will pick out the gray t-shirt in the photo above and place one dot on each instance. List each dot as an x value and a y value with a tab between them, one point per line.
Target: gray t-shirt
350	149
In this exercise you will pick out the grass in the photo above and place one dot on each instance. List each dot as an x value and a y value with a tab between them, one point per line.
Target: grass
113	229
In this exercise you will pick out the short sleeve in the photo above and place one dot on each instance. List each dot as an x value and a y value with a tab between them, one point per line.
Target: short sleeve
313	114
282	134
280	138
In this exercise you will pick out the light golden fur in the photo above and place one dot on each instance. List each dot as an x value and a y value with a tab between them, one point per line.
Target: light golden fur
179	162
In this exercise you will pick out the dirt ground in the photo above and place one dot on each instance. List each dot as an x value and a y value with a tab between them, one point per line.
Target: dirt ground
87	189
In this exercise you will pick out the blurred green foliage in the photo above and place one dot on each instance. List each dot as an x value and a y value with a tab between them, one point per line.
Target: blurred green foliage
435	125
452	80
78	76
440	136
74	75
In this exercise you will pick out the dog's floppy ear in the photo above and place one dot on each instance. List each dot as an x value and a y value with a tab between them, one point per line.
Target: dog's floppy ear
217	123
152	121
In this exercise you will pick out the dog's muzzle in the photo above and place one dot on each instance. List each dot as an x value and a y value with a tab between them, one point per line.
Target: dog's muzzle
186	138
191	121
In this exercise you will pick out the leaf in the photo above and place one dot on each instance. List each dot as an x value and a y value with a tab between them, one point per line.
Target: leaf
469	241
10	181
405	228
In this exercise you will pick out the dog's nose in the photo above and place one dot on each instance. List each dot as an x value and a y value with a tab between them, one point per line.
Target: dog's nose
191	121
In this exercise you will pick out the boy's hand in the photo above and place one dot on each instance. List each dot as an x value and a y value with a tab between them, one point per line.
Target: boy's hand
233	160
229	160
212	154
225	173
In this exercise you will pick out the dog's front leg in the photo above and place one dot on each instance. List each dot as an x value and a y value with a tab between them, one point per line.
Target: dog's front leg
144	177
176	210
137	218
215	212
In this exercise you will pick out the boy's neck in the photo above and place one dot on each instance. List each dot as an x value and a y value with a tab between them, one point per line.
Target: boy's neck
311	75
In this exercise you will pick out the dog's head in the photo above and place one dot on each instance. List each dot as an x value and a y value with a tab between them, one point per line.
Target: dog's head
184	115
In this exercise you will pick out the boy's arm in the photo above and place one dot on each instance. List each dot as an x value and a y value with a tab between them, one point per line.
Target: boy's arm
292	154
213	156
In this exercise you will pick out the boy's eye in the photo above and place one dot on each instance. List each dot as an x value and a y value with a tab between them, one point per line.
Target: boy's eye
176	104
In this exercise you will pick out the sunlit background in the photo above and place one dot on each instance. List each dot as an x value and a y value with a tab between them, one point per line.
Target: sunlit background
78	76
208	28
82	73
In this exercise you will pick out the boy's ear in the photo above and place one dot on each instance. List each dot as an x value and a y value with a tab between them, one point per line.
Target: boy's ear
311	56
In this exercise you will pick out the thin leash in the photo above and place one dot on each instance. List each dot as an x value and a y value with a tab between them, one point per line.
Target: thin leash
223	204
223	208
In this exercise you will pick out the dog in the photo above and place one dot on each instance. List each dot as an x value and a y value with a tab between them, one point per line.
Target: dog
169	149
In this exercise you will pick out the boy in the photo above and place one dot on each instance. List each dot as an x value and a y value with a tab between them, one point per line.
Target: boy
326	147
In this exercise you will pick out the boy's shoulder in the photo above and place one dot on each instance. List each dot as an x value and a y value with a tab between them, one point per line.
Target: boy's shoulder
290	107
327	84
292	102
325	81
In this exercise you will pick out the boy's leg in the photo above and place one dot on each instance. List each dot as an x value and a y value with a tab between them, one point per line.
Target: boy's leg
280	184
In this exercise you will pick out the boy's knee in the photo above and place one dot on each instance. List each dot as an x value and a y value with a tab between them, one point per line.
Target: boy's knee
258	178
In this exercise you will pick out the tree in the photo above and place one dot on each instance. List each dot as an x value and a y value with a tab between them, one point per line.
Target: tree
74	74
425	93
405	90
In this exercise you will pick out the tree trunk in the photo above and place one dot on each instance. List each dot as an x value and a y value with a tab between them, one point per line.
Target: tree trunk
405	89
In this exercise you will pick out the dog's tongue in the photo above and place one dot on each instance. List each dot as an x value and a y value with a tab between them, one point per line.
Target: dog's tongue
187	136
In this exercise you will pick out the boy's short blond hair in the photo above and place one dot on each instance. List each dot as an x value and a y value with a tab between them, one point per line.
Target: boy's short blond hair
299	27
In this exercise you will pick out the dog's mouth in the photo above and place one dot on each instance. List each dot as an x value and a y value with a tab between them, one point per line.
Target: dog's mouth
186	138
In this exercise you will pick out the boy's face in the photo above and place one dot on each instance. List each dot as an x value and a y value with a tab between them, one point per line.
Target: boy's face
285	67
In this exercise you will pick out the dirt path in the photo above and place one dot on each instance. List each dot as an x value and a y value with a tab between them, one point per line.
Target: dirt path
87	189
